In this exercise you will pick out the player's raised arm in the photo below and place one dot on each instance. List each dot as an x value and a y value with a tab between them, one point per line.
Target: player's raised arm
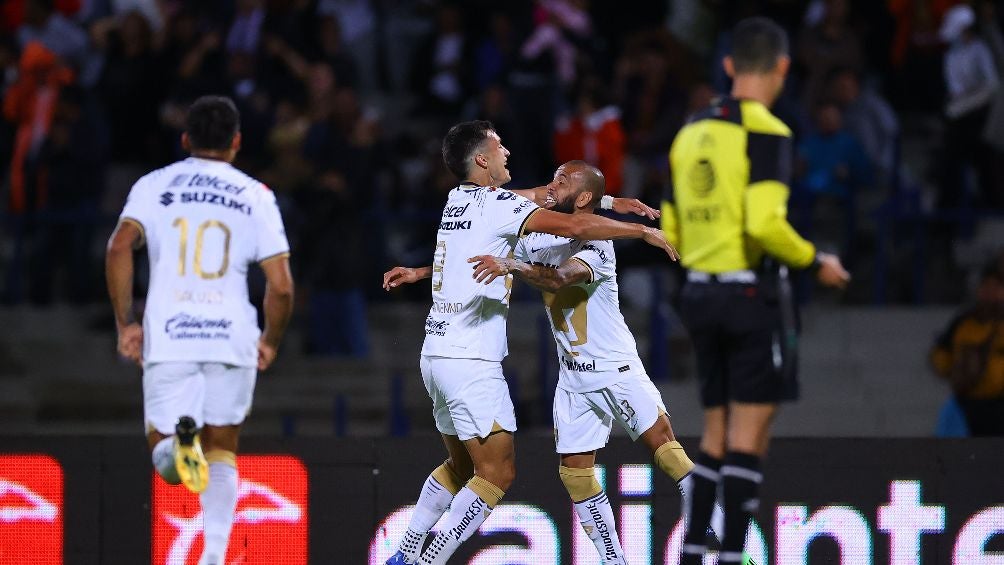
543	196
591	226
405	275
549	279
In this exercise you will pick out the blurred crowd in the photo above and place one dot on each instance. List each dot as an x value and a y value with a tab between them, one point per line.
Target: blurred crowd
343	103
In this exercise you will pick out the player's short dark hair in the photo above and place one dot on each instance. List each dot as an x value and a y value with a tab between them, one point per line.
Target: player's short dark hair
212	123
757	44
461	142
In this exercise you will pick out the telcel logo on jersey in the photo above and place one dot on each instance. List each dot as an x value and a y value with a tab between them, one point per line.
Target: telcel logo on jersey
586	366
209	181
270	522
455	211
31	509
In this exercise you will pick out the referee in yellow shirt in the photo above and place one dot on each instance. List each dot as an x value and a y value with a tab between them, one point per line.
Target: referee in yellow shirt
726	213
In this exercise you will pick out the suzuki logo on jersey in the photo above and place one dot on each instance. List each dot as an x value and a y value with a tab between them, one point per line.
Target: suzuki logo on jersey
521	207
270	522
209	181
217	199
166	199
31	509
450	226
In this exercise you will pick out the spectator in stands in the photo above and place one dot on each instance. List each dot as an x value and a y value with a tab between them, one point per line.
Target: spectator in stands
970	355
593	134
866	116
972	81
916	54
829	44
245	30
131	85
60	35
345	152
494	56
30	105
74	158
654	101
331	51
832	161
557	25
440	69
356	22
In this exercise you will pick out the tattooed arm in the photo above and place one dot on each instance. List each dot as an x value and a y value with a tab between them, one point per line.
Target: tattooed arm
548	279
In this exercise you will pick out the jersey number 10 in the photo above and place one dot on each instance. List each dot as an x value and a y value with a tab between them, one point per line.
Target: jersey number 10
200	234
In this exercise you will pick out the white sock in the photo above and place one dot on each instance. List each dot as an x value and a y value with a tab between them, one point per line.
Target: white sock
597	519
219	501
432	503
467	513
163	461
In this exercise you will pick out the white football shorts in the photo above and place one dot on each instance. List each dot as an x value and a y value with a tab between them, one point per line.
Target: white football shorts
469	396
212	393
583	420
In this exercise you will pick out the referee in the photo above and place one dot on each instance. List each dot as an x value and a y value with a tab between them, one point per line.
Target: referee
725	213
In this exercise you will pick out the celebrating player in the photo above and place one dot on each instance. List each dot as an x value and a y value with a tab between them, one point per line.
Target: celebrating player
203	222
601	378
466	336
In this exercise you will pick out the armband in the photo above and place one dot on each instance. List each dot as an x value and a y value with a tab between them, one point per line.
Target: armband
606	202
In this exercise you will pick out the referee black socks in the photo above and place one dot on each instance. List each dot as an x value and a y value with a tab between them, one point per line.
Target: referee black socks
697	511
741	478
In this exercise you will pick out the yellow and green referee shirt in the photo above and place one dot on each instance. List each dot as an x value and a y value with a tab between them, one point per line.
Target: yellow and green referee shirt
727	203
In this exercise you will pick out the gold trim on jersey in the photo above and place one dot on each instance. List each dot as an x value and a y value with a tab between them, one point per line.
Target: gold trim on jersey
279	255
522	226
139	225
592	273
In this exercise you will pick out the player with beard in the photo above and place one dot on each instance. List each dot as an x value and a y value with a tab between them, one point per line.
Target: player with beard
461	361
601	378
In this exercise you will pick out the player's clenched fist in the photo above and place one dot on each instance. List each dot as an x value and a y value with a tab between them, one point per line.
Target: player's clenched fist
131	343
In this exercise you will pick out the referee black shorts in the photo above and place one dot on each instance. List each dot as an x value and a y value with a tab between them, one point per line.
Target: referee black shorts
737	339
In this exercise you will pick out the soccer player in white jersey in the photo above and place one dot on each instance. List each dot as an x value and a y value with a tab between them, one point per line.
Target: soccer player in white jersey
461	361
601	378
204	223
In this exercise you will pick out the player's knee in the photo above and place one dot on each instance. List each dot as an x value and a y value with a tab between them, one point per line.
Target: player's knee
672	460
580	483
500	474
462	469
223	456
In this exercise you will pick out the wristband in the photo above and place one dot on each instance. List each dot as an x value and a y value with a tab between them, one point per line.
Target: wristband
606	202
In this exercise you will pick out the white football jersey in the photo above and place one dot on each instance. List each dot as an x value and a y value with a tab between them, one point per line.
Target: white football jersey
595	346
468	319
204	222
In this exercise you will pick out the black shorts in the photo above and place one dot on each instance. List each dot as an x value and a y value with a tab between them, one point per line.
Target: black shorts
737	336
